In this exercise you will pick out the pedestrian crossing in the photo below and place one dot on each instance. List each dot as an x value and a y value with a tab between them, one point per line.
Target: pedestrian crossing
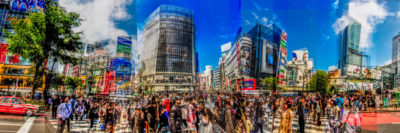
310	126
83	127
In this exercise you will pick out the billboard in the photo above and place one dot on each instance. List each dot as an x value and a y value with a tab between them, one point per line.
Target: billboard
3	53
246	84
124	47
268	58
361	86
376	74
282	58
352	70
226	47
28	5
123	69
245	61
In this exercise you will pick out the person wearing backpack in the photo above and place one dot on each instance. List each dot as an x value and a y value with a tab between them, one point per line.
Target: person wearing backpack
228	119
175	117
63	114
258	118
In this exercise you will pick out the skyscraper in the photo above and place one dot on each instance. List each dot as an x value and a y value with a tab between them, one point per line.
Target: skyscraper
395	54
168	60
350	59
268	52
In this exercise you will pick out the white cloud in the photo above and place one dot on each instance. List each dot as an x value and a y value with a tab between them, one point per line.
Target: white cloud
388	62
335	5
264	20
254	15
258	7
369	14
247	22
398	14
99	17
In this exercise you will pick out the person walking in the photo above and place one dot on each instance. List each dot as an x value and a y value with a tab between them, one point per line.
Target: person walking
206	125
258	118
301	112
286	120
175	117
229	127
54	106
93	115
63	114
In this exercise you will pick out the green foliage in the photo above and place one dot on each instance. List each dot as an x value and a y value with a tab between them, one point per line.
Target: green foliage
43	36
73	82
270	83
319	82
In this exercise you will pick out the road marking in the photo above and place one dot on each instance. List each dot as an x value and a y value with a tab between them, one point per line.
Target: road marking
9	124
6	131
27	125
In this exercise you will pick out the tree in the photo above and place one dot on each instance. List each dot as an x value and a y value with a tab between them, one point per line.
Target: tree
73	83
42	36
270	83
319	82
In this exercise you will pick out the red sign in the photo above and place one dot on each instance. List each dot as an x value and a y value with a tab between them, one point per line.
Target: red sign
3	53
283	49
284	36
246	84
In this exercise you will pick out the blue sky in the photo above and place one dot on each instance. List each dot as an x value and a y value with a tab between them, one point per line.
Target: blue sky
310	24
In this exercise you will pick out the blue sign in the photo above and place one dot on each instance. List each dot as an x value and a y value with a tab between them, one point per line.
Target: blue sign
270	59
28	5
122	66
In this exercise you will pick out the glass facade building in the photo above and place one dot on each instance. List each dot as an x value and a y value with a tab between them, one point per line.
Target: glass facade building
349	41
168	59
265	51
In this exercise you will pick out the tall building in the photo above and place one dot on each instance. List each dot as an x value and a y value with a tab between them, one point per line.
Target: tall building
396	55
217	78
168	58
237	63
208	78
268	55
350	58
299	69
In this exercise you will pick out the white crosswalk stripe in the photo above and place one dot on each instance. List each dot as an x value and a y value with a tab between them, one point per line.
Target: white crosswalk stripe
310	126
83	126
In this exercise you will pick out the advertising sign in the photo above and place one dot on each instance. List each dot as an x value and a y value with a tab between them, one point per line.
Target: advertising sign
352	70
28	5
247	84
282	57
226	47
3	53
270	59
245	61
124	47
376	74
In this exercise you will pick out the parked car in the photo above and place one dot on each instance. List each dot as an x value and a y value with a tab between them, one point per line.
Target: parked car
15	105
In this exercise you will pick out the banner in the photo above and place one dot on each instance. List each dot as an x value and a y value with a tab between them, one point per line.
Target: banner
3	53
28	5
124	47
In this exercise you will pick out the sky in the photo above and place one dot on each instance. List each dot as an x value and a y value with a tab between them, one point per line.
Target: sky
311	24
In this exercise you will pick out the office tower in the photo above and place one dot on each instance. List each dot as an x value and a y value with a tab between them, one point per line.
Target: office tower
168	60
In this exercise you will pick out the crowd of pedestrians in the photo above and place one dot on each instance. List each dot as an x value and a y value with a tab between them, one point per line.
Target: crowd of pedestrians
200	112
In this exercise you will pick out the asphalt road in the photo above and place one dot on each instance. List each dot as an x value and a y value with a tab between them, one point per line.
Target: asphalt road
10	123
